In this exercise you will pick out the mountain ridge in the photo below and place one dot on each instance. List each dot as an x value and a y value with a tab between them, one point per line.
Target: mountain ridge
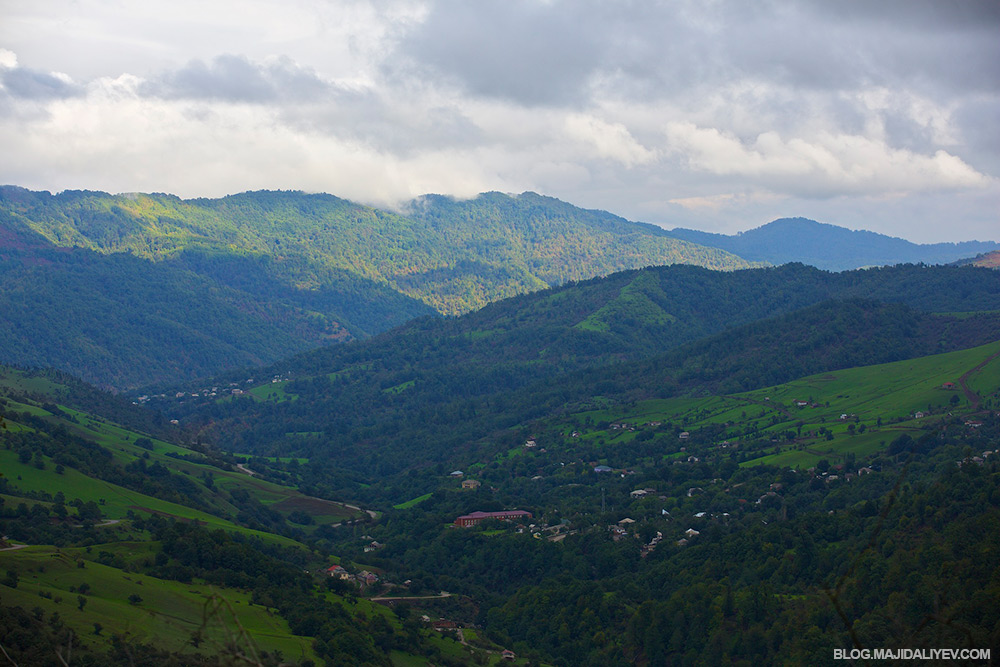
830	247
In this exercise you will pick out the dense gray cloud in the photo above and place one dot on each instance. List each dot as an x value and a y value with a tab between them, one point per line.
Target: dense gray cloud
29	84
552	52
718	115
234	78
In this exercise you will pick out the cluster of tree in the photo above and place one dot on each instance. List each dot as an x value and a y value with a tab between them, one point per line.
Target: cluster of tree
905	555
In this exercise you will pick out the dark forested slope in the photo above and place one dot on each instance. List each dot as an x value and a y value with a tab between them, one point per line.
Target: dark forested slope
423	392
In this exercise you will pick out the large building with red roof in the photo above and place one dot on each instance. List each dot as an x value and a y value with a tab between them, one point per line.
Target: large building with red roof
467	520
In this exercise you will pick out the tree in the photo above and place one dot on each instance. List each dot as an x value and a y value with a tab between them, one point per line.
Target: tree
134	599
81	602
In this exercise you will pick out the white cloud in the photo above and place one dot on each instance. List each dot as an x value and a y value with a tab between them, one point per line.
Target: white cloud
727	200
8	59
609	140
651	110
825	165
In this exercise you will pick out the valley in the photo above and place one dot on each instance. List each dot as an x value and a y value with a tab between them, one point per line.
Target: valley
662	465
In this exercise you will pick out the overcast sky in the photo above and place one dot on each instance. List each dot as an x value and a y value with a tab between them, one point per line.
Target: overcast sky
717	115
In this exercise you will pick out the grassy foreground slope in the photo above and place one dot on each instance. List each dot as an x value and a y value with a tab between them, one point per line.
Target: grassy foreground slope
119	547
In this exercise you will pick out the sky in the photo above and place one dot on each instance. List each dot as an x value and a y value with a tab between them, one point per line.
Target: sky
719	115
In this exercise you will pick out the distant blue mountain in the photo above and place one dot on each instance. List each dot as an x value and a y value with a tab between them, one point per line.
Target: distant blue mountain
830	247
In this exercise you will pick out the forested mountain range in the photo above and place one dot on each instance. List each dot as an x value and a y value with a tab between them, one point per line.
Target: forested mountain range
120	321
455	256
447	384
151	288
830	247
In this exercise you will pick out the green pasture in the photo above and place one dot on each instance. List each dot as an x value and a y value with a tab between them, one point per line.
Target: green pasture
891	392
114	501
888	391
30	408
399	388
412	502
167	616
272	391
121	442
986	381
20	381
276	459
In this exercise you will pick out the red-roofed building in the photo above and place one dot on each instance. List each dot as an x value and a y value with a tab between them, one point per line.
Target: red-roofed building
467	520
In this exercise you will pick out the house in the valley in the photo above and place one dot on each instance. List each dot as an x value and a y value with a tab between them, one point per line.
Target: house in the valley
338	571
475	518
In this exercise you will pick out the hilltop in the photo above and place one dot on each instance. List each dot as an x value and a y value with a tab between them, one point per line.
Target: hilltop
988	260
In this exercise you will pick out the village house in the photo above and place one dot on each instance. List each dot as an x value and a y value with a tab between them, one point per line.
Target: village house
470	484
338	571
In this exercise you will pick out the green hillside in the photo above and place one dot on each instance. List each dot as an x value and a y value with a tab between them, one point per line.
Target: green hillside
131	290
118	547
764	525
429	394
455	256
